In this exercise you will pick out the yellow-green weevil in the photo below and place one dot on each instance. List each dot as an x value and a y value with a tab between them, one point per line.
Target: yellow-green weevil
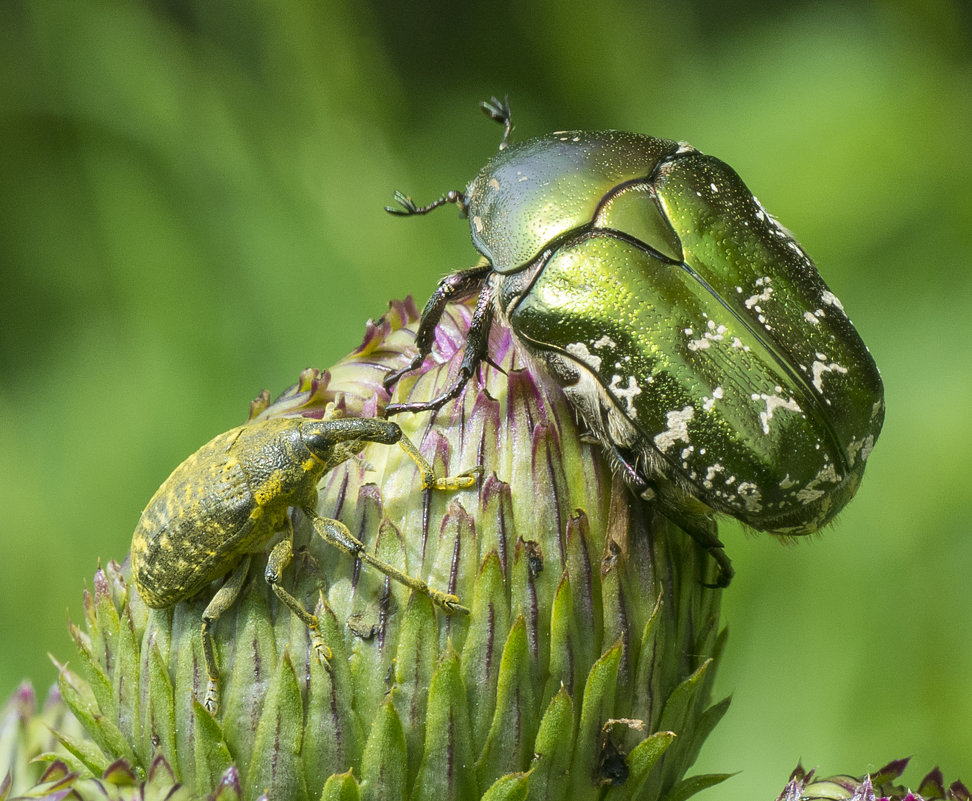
228	500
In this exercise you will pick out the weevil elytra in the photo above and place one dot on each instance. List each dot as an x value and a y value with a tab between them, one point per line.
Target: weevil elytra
231	497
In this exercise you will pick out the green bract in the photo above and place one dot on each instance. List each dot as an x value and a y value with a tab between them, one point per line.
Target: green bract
688	328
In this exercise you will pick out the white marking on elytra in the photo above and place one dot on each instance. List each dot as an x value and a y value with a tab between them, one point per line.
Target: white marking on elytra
764	295
604	342
494	184
811	492
713	187
627	393
709	403
830	299
811	318
714	333
861	448
820	367
710	474
677	431
477	224
750	495
579	351
774	402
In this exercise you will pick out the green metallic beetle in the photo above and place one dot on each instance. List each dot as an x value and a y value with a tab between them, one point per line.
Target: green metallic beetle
689	329
229	499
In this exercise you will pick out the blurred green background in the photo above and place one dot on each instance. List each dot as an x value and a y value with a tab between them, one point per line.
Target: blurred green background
191	203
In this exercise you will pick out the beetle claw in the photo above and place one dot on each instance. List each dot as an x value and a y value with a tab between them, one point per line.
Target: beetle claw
392	378
726	570
464	480
324	654
450	603
211	701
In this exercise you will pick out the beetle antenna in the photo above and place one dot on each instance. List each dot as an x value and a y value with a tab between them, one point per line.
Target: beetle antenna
408	207
499	110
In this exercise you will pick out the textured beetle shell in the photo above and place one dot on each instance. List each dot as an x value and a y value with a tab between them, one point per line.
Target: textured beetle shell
226	500
691	331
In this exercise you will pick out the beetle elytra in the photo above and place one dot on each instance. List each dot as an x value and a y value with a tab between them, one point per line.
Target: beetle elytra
689	329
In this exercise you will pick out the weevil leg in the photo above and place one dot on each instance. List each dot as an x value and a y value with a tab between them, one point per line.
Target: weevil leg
477	341
351	430
335	533
224	598
464	480
280	557
454	286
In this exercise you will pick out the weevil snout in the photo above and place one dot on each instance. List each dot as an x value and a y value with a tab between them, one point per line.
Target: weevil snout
321	436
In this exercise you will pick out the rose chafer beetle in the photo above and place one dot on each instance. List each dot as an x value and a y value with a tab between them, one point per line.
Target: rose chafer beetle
228	500
689	329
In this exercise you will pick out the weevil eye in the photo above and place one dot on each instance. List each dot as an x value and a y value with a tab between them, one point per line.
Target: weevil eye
317	438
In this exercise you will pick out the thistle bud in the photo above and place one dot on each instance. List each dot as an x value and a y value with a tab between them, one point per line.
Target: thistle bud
584	666
881	785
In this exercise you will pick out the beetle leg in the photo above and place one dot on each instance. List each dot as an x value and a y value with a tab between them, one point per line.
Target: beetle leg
335	533
277	562
464	480
477	341
451	287
700	528
224	598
